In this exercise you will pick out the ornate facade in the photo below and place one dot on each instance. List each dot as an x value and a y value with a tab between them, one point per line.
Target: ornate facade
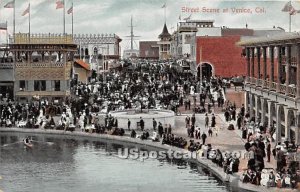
97	49
273	83
42	65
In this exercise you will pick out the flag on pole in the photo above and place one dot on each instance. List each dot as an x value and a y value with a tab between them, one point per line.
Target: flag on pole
59	4
293	11
70	11
3	26
287	7
26	11
188	18
10	4
164	6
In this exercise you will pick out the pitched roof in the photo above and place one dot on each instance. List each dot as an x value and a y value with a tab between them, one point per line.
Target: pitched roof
165	33
83	64
237	31
274	39
149	49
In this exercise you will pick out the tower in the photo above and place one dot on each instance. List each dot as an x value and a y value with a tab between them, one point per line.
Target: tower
164	44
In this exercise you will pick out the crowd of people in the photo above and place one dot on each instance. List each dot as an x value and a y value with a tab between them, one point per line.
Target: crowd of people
155	86
259	151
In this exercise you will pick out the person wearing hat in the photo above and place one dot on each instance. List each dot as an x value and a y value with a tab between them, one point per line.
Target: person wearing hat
206	120
279	158
213	121
154	124
128	124
268	150
271	182
142	123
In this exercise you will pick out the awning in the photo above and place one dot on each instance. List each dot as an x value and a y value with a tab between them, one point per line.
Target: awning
83	64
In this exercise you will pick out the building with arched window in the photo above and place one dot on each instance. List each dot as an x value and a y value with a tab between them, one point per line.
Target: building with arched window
94	48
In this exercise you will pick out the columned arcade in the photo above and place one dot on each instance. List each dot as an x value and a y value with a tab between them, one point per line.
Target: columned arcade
273	83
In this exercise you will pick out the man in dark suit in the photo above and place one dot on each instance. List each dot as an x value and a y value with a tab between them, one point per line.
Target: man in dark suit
142	123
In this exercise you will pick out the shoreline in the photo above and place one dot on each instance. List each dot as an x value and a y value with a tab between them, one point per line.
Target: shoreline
233	181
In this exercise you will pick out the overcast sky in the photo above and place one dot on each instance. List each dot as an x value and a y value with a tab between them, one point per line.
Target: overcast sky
113	16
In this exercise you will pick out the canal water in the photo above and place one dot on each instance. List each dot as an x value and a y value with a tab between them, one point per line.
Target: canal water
63	164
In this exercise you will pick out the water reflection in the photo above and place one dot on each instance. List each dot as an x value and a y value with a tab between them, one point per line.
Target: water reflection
70	164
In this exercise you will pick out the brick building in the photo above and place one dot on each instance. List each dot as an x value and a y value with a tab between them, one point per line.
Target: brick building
149	50
221	56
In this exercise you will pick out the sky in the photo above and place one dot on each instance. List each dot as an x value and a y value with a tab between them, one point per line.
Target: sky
113	16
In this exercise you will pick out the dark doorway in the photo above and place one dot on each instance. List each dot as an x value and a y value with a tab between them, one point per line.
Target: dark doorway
6	91
206	71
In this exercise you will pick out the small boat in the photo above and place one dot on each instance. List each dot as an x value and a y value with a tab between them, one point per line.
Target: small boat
27	143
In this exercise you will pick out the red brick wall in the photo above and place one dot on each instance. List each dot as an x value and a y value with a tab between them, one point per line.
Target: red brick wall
223	54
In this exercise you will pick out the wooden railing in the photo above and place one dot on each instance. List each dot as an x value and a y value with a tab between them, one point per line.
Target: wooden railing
259	82
267	84
282	88
40	65
283	60
247	80
253	80
24	38
6	65
294	62
273	86
292	91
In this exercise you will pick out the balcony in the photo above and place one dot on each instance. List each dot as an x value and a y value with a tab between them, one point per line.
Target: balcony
259	82
267	84
283	60
6	65
292	90
273	86
24	38
40	65
293	62
252	80
282	88
271	90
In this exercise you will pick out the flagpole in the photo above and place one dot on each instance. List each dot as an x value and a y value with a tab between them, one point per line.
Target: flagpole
14	21
290	22
29	16
290	19
72	19
165	13
6	34
64	17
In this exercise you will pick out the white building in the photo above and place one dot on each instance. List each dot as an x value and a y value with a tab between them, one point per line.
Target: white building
98	49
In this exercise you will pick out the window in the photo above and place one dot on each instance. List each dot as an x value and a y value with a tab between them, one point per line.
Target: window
56	84
82	51
95	51
22	85
40	85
